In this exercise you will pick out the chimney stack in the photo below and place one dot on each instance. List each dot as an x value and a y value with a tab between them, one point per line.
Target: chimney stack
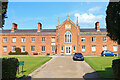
97	27
39	26
14	27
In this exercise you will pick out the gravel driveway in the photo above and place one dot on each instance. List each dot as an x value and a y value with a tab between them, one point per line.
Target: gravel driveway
65	67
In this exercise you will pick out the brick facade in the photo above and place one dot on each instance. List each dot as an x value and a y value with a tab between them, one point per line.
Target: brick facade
73	45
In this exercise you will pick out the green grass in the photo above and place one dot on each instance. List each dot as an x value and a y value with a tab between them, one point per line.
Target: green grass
105	62
30	64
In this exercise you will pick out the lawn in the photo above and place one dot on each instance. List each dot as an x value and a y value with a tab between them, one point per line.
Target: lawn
30	64
102	65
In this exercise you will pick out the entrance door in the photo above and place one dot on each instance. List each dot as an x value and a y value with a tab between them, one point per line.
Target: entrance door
68	50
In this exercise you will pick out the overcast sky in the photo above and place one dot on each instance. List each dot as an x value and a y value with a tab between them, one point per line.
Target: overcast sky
28	14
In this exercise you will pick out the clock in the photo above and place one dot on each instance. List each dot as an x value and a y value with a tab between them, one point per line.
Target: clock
67	26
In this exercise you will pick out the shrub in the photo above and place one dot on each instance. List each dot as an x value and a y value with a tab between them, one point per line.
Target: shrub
18	52
35	53
9	68
116	68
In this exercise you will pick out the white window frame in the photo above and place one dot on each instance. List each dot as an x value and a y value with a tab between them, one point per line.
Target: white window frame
23	39
68	37
14	40
93	48
13	48
53	48
115	48
83	48
43	39
104	39
4	48
93	39
22	48
4	39
32	48
43	48
32	39
83	39
104	47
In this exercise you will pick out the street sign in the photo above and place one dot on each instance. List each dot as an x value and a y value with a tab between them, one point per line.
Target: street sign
21	63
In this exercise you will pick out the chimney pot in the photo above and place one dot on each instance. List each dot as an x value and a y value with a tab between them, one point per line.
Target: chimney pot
97	27
39	26
14	27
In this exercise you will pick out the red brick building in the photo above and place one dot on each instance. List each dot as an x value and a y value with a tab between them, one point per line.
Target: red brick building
66	39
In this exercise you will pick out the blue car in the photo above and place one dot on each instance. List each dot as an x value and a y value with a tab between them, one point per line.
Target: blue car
108	53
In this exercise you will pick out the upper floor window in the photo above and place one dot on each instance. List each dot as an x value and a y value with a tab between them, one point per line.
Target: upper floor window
104	39
68	37
4	39
93	39
14	40
53	39
83	39
32	39
43	39
23	39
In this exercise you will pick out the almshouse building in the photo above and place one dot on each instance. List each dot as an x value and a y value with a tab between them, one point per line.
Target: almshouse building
66	39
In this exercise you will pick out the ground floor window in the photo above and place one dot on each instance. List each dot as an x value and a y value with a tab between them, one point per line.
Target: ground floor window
93	48
104	47
115	48
32	48
61	48
4	48
43	48
83	48
74	49
22	48
13	48
53	48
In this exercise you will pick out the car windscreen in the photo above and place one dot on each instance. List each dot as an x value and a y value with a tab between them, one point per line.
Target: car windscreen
78	54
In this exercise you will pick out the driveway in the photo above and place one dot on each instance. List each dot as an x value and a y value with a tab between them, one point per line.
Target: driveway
65	67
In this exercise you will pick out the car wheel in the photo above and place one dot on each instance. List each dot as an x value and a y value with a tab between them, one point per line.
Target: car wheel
104	55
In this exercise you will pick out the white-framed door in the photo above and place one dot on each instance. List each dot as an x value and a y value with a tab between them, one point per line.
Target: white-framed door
68	50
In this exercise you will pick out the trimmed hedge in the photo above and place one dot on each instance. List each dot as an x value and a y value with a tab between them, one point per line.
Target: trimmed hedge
18	52
116	68
9	68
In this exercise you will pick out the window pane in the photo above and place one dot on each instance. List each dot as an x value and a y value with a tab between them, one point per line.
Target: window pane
68	37
14	40
23	48
4	39
93	48
13	48
83	48
43	48
114	48
32	39
53	48
32	48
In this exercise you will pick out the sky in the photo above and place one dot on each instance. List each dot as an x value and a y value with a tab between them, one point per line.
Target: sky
28	14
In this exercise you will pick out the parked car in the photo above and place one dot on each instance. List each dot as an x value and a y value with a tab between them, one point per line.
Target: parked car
78	56
108	53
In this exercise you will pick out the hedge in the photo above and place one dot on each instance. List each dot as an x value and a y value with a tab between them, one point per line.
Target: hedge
9	68
116	68
18	52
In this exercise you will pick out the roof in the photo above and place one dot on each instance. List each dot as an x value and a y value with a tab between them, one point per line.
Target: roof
93	30
30	31
48	30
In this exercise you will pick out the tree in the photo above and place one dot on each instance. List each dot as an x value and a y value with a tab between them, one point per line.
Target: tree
3	10
113	20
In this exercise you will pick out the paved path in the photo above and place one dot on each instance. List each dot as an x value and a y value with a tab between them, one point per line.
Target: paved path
65	67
